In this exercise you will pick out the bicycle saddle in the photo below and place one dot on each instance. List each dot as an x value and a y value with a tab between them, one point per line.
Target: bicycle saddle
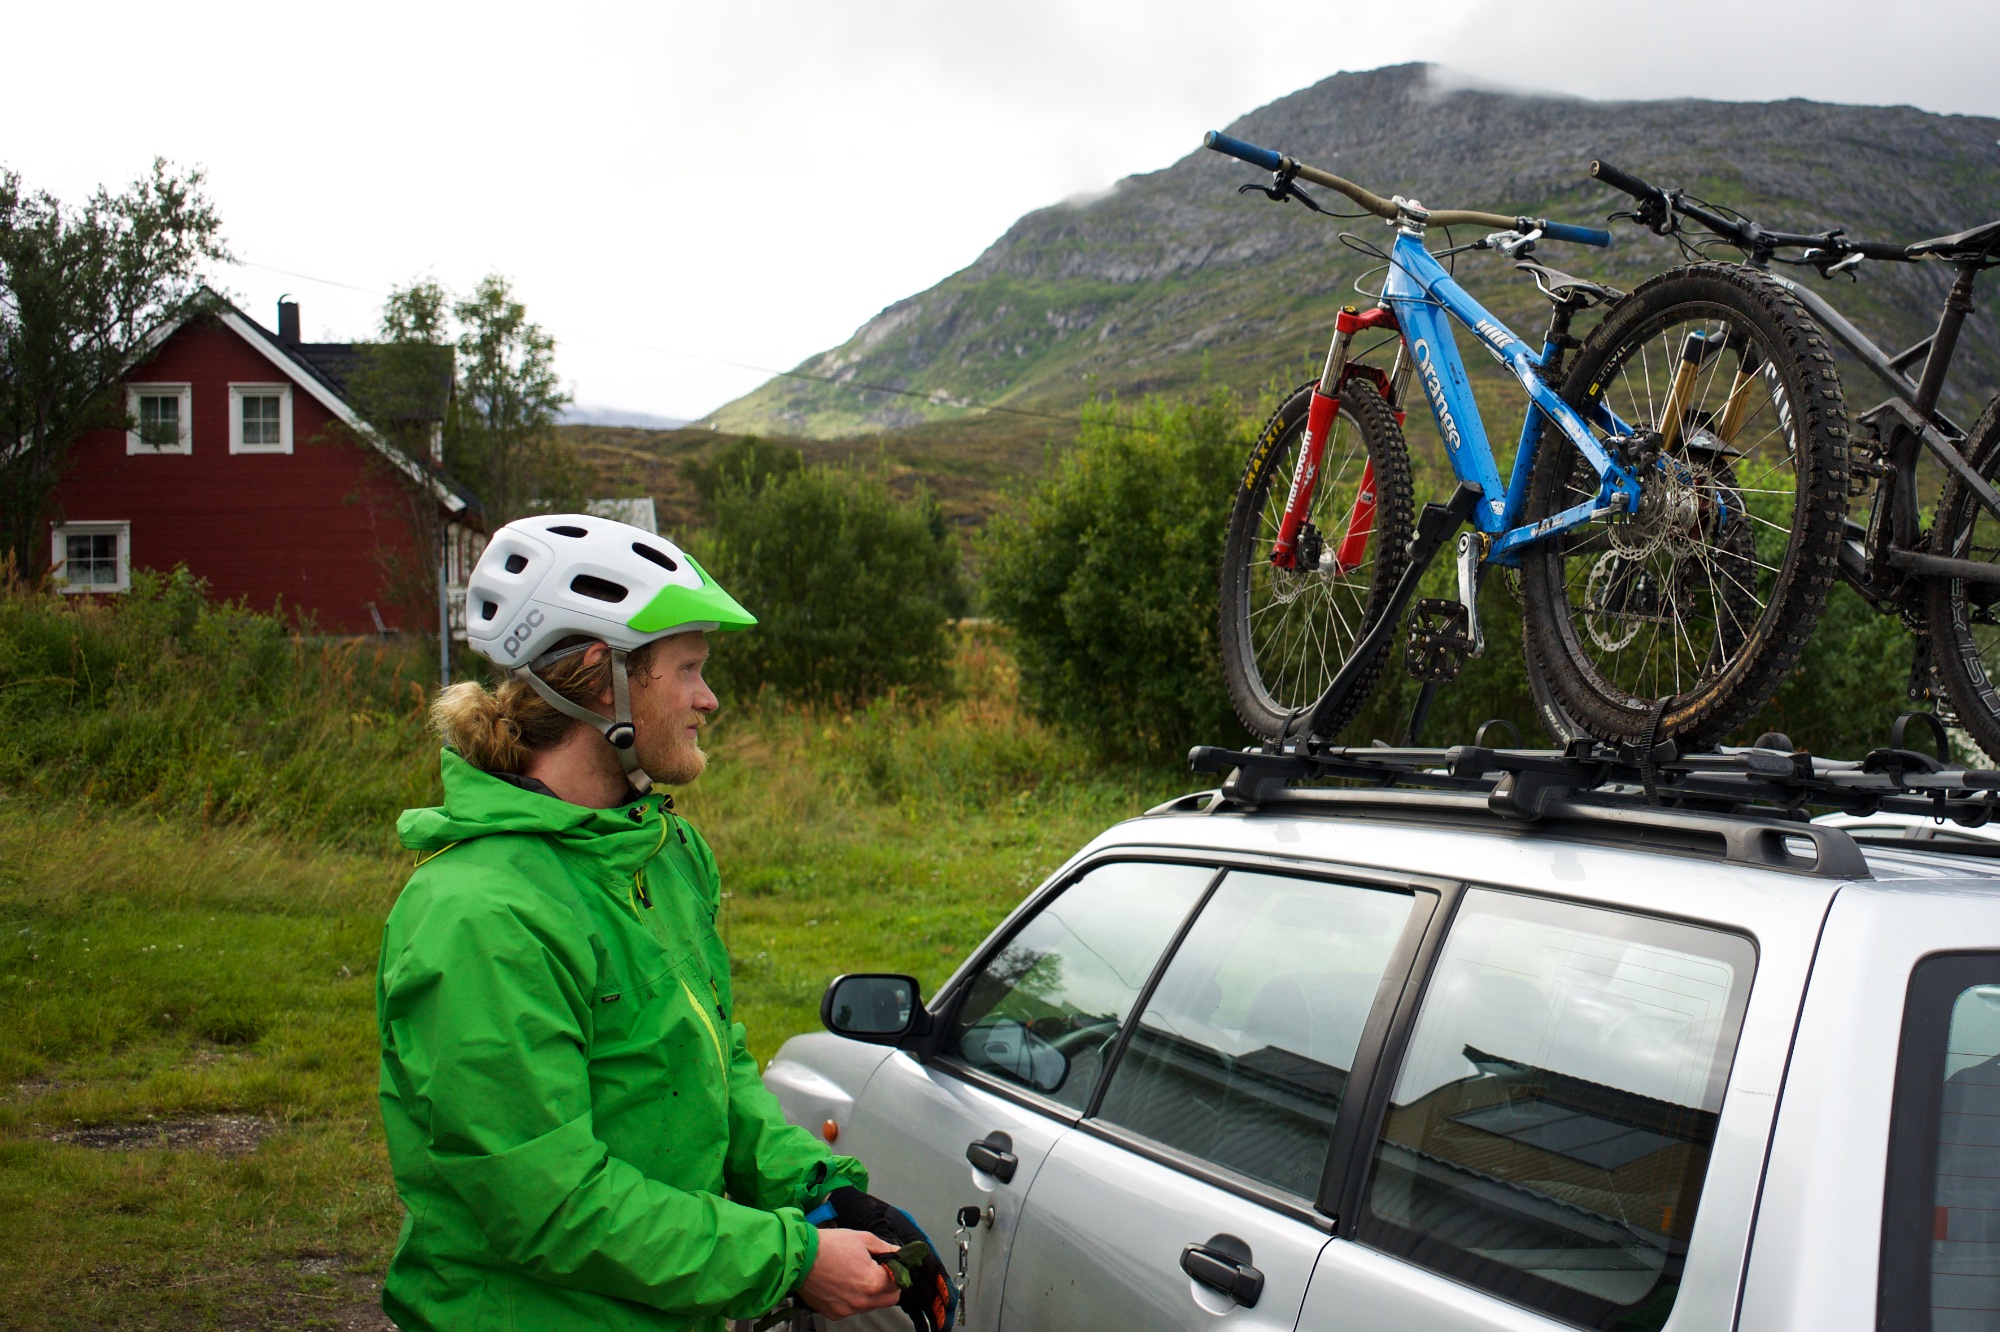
1980	242
1561	286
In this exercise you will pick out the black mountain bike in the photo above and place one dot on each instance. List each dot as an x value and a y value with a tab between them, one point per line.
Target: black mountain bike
1943	581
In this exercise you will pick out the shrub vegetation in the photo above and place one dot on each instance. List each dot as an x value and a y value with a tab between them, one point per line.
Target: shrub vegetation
1107	576
852	587
165	700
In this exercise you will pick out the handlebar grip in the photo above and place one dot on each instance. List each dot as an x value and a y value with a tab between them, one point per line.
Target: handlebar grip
1880	250
1622	180
1563	231
1247	152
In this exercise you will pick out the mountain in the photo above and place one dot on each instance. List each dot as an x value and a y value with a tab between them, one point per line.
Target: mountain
1171	276
576	414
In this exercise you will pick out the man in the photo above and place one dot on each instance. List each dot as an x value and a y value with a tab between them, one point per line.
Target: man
578	1131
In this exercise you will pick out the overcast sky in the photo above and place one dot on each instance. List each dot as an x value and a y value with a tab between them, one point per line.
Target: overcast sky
674	186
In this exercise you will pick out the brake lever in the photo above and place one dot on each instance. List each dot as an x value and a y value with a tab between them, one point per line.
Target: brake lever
1282	188
1828	264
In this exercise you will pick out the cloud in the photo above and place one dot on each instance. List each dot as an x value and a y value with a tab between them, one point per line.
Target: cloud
675	181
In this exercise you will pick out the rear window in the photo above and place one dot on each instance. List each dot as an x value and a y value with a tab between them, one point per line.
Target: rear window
1550	1127
1941	1219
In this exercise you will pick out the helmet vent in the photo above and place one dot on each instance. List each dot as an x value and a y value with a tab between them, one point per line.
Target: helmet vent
656	555
516	563
487	610
569	531
600	589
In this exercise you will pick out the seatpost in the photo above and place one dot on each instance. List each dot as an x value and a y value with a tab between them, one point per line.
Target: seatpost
1957	305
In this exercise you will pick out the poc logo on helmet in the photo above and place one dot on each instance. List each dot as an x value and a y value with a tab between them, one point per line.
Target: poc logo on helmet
531	622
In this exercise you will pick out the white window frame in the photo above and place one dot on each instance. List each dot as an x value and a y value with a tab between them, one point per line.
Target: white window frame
59	555
133	392
283	393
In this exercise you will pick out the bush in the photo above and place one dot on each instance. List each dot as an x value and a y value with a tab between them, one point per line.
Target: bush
749	463
165	701
852	587
1108	578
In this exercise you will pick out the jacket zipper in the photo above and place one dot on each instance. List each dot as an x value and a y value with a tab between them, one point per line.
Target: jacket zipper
702	1013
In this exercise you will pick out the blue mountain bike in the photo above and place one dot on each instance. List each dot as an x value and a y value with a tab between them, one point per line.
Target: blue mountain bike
1673	508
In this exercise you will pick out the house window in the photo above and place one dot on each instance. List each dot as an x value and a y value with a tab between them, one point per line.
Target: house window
161	418
93	557
260	418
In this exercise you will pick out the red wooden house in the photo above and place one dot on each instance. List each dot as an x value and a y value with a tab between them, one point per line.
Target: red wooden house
248	463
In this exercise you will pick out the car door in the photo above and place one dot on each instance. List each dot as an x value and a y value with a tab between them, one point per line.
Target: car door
1185	1199
1017	1058
1537	1159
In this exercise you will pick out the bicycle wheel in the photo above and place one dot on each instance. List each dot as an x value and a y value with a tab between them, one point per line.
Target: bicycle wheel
1287	632
1713	381
1965	616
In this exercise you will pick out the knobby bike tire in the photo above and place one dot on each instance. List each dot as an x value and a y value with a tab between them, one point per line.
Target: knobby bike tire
1961	614
1267	696
1747	658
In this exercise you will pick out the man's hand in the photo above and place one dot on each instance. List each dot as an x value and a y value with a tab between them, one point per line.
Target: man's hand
846	1279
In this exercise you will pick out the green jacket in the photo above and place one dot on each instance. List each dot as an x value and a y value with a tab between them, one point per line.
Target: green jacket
578	1132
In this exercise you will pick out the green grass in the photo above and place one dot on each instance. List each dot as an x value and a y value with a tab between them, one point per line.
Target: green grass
166	959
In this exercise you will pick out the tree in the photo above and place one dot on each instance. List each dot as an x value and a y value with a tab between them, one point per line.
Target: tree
502	439
81	291
403	387
852	587
1107	575
467	387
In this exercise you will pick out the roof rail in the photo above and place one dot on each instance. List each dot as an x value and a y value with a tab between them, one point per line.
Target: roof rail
1749	804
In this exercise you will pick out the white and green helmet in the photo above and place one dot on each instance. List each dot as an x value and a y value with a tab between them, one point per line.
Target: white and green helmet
556	576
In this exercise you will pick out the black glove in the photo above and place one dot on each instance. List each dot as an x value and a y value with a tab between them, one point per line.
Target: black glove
928	1295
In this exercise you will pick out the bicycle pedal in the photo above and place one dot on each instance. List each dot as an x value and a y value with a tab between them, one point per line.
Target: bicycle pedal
1440	640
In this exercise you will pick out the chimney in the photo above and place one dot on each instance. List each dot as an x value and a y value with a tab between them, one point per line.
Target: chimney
288	323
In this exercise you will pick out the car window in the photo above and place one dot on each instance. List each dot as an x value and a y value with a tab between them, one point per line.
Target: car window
1941	1223
1550	1126
1242	1054
1043	1010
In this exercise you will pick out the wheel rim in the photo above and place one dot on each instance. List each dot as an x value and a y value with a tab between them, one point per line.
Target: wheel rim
1302	626
1669	602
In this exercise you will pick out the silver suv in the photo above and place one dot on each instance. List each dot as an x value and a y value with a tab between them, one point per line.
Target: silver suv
1377	1061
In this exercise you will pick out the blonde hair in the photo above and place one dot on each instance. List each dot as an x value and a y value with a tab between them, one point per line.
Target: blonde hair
496	729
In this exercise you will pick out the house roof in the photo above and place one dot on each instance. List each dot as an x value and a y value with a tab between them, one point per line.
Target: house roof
340	362
324	370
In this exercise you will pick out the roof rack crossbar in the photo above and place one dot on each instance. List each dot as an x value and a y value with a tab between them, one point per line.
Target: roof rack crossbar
1754	799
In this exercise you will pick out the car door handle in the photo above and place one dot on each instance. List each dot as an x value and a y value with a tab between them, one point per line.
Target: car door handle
1223	1264
994	1155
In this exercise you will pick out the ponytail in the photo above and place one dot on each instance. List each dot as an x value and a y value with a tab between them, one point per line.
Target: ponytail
497	729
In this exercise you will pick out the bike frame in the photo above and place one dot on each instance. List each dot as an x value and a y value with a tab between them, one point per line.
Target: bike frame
1420	299
1894	534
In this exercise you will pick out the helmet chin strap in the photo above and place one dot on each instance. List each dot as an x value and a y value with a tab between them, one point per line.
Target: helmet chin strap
617	729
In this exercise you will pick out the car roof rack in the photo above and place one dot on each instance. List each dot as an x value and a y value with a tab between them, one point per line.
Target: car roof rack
1749	804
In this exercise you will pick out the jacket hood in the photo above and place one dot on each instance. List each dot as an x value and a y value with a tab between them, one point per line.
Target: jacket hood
478	804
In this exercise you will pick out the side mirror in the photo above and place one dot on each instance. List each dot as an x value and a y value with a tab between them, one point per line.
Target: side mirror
881	1009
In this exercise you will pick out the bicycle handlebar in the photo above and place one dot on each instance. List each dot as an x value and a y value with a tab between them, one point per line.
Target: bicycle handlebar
1390	209
1247	152
1742	233
1563	231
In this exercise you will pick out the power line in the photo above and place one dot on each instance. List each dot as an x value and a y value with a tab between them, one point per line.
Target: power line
286	272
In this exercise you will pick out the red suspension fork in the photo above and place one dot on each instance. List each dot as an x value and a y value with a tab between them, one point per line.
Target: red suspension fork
1353	548
1320	420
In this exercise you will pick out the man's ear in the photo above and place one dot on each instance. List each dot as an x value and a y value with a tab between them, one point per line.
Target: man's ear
592	655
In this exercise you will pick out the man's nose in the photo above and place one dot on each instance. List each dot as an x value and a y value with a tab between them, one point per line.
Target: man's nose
705	699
